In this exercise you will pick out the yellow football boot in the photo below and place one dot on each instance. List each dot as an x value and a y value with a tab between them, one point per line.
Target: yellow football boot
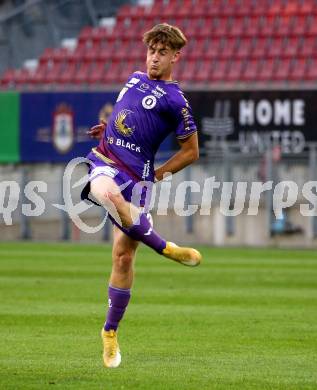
186	256
111	350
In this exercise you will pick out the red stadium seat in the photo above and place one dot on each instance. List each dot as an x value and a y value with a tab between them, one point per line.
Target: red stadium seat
121	51
81	75
312	26
298	70
244	48
291	47
282	70
53	72
275	9
196	49
275	48
206	29
85	34
236	27
250	71
39	76
266	71
169	10
68	74
219	27
307	48
268	26
112	74
79	52
260	48
218	72
283	26
252	27
311	73
228	48
203	73
306	8
96	73
299	26
7	78
235	70
212	49
259	9
189	70
91	52
200	10
291	8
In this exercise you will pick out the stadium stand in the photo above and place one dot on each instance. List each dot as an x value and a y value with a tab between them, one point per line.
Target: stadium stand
230	41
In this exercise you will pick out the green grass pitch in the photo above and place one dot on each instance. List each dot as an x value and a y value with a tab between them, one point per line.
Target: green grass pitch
244	319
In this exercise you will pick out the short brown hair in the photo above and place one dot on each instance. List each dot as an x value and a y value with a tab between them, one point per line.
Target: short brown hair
167	35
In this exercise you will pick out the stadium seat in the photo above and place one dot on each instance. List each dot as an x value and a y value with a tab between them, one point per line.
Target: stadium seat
235	70
38	77
307	48
299	26
91	52
121	50
298	70
244	48
205	31
312	26
7	79
251	27
211	49
266	70
81	75
218	72
283	26
260	48
203	73
111	74
291	47
53	72
96	73
228	48
236	27
282	70
189	70
268	26
275	48
312	70
219	27
306	8
196	49
68	74
250	71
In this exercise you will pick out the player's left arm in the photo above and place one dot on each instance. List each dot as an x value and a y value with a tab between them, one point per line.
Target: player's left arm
188	153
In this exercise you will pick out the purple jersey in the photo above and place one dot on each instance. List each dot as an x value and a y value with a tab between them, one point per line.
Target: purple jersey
145	113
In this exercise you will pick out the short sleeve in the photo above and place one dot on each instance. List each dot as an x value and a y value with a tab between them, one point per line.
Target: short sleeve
185	124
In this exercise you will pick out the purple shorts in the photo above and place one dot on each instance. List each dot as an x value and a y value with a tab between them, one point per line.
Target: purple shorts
138	193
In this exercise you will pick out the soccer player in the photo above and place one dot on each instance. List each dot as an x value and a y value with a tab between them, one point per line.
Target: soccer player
148	108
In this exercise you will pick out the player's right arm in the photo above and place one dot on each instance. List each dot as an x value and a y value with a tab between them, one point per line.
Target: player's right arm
97	130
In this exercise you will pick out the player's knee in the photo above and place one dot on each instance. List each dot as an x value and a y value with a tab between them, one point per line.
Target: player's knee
114	198
123	262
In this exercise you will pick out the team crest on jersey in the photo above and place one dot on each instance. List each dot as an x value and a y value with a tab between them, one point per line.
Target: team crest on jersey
122	127
63	128
149	102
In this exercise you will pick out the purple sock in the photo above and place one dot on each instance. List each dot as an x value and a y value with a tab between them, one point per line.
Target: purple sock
118	301
143	231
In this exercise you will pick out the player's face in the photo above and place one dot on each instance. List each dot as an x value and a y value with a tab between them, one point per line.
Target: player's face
160	60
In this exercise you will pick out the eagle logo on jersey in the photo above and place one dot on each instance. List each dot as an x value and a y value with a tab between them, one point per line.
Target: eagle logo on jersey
121	126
